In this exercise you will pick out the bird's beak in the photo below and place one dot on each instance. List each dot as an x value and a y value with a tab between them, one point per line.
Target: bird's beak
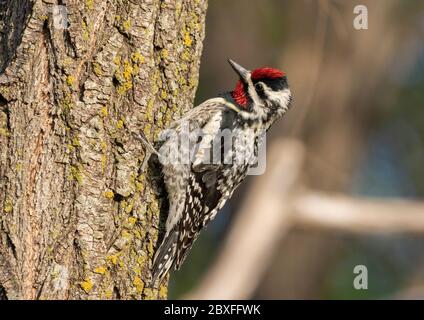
242	72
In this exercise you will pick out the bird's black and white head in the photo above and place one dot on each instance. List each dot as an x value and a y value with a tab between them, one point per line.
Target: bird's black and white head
262	93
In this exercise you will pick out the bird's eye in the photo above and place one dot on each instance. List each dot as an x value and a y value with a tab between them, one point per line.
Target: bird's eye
259	87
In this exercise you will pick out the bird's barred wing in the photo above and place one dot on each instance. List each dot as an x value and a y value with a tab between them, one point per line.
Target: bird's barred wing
202	195
207	192
215	125
208	186
202	200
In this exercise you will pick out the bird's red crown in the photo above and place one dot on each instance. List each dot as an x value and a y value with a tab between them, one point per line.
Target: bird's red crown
267	73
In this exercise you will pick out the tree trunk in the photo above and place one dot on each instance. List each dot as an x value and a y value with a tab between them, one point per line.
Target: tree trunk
78	219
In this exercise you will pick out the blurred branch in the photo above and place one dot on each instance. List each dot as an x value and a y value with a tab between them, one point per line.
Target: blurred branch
357	214
275	204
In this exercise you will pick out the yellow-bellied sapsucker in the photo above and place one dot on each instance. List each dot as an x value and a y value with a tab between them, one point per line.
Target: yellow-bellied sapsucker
201	171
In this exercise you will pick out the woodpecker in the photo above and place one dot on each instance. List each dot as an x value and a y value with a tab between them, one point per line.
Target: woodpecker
198	187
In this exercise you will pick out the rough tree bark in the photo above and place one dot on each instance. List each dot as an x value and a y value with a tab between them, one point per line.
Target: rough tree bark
78	220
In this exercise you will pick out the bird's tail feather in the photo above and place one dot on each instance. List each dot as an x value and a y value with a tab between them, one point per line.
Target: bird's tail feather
165	256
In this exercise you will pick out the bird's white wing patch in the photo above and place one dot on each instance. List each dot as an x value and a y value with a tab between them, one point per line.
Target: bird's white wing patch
203	150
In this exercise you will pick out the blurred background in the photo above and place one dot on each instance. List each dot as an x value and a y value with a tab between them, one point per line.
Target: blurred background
345	167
